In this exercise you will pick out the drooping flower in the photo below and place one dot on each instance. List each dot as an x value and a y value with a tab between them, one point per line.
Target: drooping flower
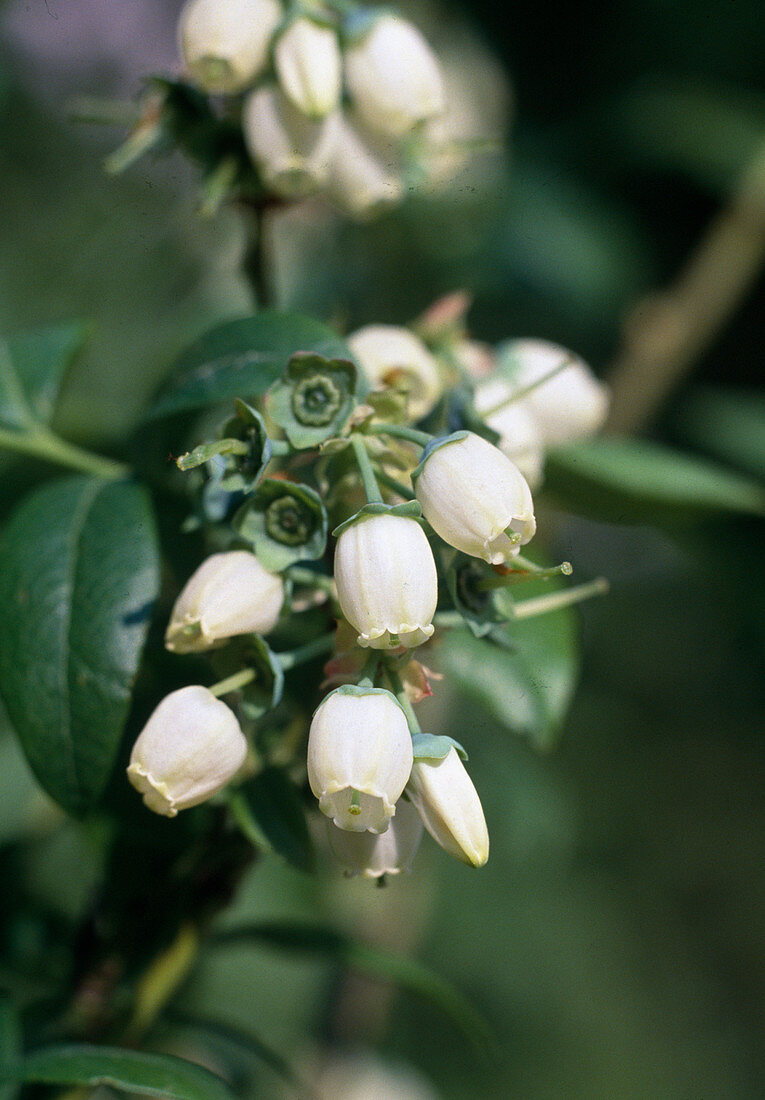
393	76
188	750
475	498
375	855
388	352
361	181
229	594
309	67
450	808
519	431
225	43
359	757
292	152
387	582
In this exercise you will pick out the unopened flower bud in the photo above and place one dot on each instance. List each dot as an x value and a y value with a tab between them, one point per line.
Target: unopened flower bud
393	77
359	757
388	353
225	43
292	152
386	578
361	182
568	406
309	66
450	808
519	434
188	750
374	855
475	498
230	593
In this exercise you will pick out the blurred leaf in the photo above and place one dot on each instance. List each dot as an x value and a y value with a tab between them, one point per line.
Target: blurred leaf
32	368
527	681
316	939
78	576
242	359
729	424
161	1075
278	812
10	1043
636	481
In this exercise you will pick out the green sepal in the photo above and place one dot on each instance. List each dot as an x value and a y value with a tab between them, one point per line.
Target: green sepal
358	23
358	690
478	609
461	411
265	691
311	376
245	471
410	509
257	519
432	746
434	444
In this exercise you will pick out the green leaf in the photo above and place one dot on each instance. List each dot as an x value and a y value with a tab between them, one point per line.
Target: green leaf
636	481
316	939
275	804
10	1044
242	359
528	680
161	1075
729	424
78	575
32	368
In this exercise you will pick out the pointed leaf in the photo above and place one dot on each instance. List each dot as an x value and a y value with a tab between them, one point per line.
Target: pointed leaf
242	359
32	368
78	576
160	1075
636	481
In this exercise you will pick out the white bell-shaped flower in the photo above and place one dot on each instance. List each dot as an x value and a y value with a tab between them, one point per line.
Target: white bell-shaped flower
374	855
225	43
292	152
393	76
388	352
309	67
359	757
229	594
188	750
519	432
568	406
475	498
387	582
450	808
361	181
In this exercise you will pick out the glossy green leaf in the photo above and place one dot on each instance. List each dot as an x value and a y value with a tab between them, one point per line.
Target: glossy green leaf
528	680
242	359
32	368
729	424
316	939
161	1075
78	575
278	812
10	1044
636	481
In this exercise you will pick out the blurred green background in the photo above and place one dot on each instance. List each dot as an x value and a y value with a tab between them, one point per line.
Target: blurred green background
616	939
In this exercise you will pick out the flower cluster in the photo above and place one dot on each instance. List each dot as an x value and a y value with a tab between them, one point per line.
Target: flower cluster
330	96
428	524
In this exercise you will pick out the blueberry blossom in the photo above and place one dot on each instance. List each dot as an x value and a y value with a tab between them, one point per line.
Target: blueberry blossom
359	757
388	352
225	43
374	856
292	152
450	808
309	67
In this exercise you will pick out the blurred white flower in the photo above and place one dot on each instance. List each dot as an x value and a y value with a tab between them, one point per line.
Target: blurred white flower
450	808
359	757
388	853
475	498
569	406
386	352
225	43
520	435
361	181
393	76
309	67
188	750
292	152
387	583
364	1076
229	594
